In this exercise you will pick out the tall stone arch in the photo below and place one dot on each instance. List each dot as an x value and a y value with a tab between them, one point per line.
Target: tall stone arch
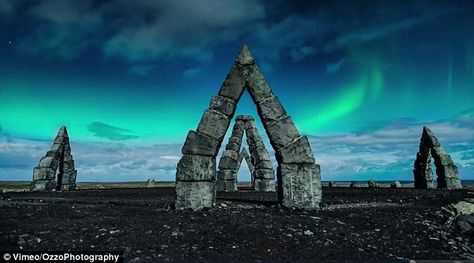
446	170
262	174
299	181
244	155
58	158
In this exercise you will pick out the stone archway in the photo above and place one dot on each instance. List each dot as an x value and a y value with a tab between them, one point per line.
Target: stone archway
446	171
58	158
299	180
262	174
244	155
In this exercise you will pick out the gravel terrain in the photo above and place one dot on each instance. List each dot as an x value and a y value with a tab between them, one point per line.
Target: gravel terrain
354	223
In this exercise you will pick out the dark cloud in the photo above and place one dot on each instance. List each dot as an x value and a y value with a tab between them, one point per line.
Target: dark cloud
375	32
104	130
142	31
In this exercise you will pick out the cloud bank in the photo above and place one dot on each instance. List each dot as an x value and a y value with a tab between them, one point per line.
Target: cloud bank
385	152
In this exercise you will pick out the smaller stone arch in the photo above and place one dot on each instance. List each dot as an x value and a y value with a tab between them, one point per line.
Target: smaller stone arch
263	176
58	158
245	155
446	170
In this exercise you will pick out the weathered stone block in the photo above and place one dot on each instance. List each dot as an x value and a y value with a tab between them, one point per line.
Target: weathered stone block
300	185
264	185
231	154
234	84
264	174
244	118
453	183
253	136
226	175
61	140
220	186
227	163
428	138
264	165
44	173
53	154
256	84
237	134
260	154
223	104
49	162
57	147
195	195
298	151
249	125
214	124
68	165
254	144
282	132
270	110
69	177
226	185
232	146
38	186
200	144
196	168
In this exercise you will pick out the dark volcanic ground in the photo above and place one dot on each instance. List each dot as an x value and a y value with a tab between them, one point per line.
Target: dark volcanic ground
353	224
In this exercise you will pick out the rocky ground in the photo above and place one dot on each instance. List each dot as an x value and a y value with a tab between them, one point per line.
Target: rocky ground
354	223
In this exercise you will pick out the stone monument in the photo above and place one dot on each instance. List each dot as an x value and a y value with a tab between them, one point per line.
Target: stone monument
58	158
263	177
446	171
299	181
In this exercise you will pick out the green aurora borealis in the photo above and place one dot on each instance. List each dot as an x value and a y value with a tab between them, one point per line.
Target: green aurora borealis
340	68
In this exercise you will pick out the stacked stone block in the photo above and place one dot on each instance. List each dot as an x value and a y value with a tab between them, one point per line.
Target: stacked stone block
446	170
299	182
263	175
229	162
58	158
196	170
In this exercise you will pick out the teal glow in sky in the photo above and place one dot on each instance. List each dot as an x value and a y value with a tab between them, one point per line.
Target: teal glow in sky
136	74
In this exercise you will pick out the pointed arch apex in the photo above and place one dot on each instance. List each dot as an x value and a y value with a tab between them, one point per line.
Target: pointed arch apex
245	57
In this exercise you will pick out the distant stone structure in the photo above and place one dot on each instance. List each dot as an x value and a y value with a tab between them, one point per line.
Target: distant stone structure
396	184
299	182
245	155
150	183
332	184
227	173
372	184
58	158
263	177
446	171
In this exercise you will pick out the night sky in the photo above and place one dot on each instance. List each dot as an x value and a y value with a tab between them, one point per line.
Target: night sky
131	78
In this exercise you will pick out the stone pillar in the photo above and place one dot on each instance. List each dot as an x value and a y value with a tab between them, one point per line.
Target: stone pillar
264	177
299	180
196	171
229	162
58	158
422	170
